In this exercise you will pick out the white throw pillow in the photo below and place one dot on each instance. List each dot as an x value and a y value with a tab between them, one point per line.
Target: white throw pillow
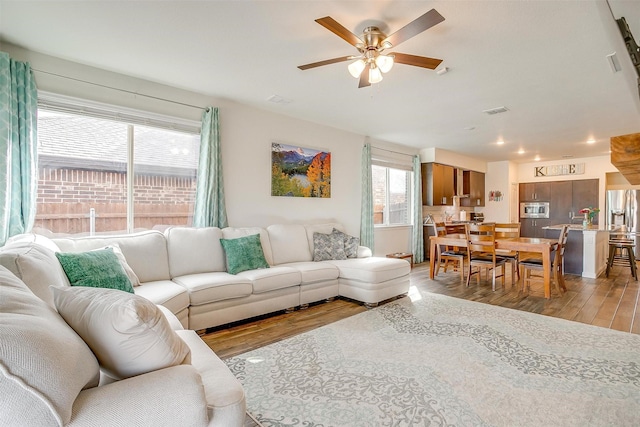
128	333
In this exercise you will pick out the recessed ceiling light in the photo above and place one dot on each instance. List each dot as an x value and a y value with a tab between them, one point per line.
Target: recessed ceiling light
521	151
500	142
536	158
591	141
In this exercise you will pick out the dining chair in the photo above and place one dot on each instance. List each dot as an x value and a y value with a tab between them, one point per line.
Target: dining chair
481	252
527	265
447	254
505	231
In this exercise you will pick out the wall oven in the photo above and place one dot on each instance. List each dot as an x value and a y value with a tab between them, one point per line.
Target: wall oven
534	210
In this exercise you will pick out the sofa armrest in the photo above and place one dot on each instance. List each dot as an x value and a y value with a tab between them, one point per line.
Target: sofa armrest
173	320
166	397
364	252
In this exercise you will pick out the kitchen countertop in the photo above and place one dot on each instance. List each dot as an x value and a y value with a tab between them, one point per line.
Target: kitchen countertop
594	227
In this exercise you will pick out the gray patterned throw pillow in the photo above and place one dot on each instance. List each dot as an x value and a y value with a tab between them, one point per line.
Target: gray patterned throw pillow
351	243
328	246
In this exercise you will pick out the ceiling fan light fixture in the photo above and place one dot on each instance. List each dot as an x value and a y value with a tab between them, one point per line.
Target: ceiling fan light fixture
356	68
384	62
375	76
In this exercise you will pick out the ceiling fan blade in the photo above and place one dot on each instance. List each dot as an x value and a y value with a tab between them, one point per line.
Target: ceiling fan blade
336	28
415	27
364	77
325	62
418	61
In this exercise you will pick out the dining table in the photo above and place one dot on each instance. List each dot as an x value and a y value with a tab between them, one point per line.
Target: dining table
519	244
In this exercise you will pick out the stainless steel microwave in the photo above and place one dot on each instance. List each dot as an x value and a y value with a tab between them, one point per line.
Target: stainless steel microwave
534	210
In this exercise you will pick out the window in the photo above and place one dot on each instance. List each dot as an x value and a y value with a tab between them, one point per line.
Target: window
104	174
391	195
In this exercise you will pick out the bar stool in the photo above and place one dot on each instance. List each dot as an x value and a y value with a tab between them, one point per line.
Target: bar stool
621	253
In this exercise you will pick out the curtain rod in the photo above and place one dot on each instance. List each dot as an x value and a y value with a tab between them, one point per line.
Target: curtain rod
391	151
120	90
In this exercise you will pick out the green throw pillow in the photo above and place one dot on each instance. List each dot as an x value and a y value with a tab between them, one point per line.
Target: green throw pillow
95	269
244	253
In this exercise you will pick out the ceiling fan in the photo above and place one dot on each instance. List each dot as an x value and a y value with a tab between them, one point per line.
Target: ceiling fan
371	62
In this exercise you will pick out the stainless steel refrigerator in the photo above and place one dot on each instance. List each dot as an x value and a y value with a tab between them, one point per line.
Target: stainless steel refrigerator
622	209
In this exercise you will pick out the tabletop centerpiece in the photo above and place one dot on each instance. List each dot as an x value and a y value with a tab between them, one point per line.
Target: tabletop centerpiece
589	214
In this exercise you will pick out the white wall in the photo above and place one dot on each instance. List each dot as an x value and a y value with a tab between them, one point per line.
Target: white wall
498	178
246	134
445	157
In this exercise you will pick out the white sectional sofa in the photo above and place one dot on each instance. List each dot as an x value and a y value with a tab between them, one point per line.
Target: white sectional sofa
50	377
183	272
184	269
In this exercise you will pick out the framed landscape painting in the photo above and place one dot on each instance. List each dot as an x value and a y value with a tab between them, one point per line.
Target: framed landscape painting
300	172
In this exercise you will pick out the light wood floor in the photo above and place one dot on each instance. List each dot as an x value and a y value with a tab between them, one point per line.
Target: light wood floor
610	303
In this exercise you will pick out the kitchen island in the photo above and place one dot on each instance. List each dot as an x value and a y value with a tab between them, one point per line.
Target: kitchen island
587	248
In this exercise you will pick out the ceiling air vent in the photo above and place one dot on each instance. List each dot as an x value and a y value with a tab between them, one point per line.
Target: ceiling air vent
277	99
497	110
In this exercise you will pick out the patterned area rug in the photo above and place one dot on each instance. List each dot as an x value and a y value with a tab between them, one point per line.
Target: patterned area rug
446	362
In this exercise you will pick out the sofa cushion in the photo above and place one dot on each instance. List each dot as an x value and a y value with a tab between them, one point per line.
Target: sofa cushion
205	288
44	364
97	269
37	266
128	334
328	246
32	238
166	293
314	272
274	278
146	252
372	269
289	243
194	250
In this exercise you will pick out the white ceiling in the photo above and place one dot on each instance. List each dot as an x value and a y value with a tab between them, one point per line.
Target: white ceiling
545	61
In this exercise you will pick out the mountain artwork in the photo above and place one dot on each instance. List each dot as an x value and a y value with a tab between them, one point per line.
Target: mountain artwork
300	172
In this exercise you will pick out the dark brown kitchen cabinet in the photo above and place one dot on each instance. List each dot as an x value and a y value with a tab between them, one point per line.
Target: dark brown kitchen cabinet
560	205
438	184
584	195
472	185
535	191
533	227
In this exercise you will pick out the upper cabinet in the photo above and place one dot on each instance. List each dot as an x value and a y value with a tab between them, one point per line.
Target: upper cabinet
438	184
441	182
535	192
472	186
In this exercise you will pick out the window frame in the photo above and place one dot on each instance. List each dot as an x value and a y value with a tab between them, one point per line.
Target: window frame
130	117
386	213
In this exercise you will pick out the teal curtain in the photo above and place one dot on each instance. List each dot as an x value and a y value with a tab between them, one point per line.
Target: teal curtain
210	210
366	207
18	147
418	242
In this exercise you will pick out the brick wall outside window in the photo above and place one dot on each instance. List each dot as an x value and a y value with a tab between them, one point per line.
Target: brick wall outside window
65	197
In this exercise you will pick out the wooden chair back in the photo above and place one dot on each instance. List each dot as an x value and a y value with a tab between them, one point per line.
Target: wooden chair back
481	237
507	230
